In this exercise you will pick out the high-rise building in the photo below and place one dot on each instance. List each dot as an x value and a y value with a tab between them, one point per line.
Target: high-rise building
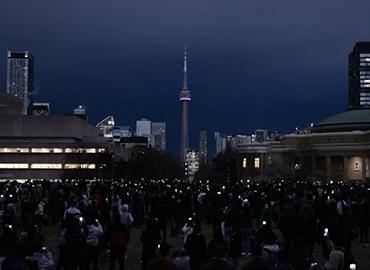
158	136
191	163
220	143
185	98
19	79
359	76
143	128
203	149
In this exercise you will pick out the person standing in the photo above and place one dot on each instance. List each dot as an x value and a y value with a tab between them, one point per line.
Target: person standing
150	239
94	233
118	242
197	248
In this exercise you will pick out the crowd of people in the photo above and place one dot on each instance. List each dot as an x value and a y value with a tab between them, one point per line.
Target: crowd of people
272	225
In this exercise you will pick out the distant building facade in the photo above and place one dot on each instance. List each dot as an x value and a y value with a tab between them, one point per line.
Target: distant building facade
143	128
359	76
51	147
203	147
19	79
10	105
81	111
191	163
336	149
106	126
130	147
158	136
40	109
120	132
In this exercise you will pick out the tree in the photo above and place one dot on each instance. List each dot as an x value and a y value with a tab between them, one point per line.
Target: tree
152	164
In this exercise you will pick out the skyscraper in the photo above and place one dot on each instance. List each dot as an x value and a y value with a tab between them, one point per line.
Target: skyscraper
158	138
19	77
202	147
359	76
143	128
185	98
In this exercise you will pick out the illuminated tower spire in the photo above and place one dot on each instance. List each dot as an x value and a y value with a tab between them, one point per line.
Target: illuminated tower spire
185	98
185	79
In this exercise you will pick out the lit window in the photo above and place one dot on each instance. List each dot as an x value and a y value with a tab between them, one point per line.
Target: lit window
244	163
257	163
79	166
14	150
80	150
46	166
41	150
13	166
101	150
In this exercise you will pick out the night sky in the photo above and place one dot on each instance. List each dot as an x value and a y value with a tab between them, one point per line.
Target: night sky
252	63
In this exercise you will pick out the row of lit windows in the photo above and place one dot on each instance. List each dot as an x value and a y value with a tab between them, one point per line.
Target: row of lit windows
364	94
364	59
365	85
365	64
365	81
364	54
52	150
364	72
364	102
364	98
257	163
364	77
46	166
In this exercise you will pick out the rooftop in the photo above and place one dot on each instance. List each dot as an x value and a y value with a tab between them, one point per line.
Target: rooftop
347	121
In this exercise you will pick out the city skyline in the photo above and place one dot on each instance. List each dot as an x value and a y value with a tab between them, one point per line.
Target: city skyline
247	73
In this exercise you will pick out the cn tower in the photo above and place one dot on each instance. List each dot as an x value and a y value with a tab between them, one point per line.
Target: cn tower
185	98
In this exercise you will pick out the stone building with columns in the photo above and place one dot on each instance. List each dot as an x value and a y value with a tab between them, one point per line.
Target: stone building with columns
337	148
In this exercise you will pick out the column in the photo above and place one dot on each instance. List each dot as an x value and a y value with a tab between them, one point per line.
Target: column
345	168
313	166
363	167
328	168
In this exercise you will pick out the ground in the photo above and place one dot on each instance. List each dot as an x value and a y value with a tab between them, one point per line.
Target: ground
362	254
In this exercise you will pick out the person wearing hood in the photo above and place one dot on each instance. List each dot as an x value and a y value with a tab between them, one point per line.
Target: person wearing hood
126	217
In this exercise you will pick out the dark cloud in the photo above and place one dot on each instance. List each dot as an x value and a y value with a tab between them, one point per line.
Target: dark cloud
253	63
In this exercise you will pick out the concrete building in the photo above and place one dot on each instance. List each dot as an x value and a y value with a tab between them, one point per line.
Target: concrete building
19	77
253	158
336	149
49	147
